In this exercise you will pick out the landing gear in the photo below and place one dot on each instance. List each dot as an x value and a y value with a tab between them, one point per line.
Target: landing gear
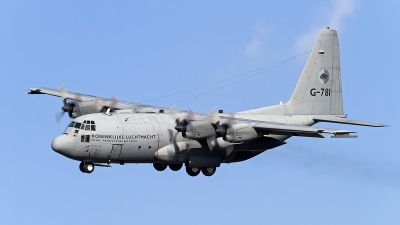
159	166
192	171
86	167
209	171
175	167
81	166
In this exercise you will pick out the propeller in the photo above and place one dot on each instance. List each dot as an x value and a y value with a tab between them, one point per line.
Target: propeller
110	106
67	105
181	121
221	127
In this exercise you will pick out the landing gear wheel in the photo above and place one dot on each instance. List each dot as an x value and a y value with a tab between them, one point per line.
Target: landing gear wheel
88	167
175	167
208	171
159	166
81	167
192	171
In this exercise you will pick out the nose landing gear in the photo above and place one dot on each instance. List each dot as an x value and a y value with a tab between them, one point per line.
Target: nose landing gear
86	167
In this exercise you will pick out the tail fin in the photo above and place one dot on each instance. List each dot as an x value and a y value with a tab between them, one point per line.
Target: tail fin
319	88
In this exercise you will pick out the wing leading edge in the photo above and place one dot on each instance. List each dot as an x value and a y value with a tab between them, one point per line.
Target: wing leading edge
121	105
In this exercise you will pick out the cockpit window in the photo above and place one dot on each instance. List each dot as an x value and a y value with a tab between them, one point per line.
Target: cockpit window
86	125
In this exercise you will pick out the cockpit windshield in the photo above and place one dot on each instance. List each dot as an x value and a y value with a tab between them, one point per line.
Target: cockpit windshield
86	125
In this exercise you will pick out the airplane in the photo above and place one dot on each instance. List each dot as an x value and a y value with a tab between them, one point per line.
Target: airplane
107	131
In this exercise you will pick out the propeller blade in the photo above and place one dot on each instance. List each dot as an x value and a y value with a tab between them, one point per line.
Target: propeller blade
229	149
189	146
114	102
190	115
175	113
58	116
215	117
172	139
64	93
232	119
95	101
209	139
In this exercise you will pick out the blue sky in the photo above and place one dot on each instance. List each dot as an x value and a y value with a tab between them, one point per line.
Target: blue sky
142	51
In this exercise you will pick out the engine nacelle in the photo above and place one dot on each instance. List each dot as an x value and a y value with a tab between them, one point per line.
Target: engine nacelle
83	108
219	143
240	132
198	130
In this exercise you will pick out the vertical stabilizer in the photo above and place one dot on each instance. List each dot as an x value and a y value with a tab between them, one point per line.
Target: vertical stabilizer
319	88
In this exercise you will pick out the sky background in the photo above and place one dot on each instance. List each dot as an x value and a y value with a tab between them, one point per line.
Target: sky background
148	50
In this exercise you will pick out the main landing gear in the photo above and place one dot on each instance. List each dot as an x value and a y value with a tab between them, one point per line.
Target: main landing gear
86	167
159	166
162	167
194	171
191	171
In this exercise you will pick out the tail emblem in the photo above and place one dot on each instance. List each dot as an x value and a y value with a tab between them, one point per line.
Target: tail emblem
324	76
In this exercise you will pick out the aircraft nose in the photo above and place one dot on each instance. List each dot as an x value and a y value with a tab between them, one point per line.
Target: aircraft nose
64	145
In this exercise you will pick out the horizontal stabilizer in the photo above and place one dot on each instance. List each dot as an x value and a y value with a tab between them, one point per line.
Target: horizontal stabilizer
298	130
346	135
331	119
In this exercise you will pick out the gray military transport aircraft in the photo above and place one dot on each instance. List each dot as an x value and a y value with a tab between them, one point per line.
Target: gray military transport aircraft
106	131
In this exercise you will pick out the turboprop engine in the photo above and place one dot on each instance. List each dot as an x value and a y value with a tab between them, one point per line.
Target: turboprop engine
83	108
237	132
198	130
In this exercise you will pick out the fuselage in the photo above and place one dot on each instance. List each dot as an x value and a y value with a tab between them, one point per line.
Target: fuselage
136	138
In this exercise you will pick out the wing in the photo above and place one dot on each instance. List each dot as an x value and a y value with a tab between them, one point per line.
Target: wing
105	102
